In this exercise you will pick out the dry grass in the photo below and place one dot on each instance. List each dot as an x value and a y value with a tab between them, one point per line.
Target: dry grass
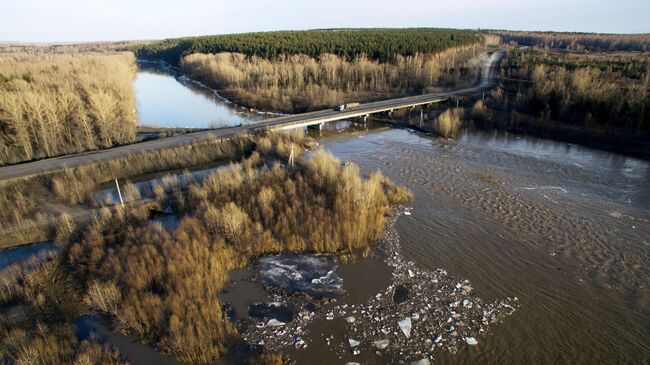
300	82
54	346
58	104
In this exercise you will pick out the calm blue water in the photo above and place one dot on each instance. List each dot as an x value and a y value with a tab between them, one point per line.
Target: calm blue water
16	254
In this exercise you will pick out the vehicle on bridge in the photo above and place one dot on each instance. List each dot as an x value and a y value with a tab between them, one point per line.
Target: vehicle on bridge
347	106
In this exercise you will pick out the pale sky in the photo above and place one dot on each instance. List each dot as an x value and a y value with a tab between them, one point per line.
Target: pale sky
100	20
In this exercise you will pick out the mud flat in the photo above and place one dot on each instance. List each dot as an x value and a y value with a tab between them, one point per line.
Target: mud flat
418	313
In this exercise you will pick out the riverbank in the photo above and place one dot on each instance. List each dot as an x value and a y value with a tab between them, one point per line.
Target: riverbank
635	145
490	120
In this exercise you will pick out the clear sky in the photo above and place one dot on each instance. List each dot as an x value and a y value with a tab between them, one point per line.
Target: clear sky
97	20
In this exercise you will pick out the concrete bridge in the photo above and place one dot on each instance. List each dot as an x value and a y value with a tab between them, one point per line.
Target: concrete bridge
318	118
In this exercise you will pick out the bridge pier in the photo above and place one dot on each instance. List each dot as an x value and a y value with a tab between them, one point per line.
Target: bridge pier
318	126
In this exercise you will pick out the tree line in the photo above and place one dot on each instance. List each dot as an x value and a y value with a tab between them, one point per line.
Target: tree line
578	41
293	83
606	92
377	44
59	104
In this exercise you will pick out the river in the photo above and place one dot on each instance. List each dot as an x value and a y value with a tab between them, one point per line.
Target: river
166	98
564	228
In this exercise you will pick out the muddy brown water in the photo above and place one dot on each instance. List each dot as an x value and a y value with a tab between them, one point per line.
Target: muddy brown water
562	227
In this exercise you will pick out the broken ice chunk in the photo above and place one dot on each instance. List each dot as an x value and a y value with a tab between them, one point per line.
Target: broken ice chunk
274	323
405	326
471	341
381	344
353	342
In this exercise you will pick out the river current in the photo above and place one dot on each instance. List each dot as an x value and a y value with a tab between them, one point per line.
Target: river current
562	227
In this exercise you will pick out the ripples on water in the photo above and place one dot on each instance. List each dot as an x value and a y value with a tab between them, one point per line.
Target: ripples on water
563	227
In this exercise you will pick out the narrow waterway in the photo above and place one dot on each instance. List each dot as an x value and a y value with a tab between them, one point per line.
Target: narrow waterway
166	98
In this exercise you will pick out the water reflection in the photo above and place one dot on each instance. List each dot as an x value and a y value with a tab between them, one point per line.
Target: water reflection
39	251
165	98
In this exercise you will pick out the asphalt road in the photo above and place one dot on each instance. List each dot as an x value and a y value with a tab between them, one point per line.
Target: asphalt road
488	80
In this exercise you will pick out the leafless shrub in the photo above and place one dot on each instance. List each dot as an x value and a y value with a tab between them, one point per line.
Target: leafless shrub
57	104
299	82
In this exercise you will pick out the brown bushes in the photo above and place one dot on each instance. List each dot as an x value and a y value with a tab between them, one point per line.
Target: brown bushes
299	82
168	283
163	286
320	207
479	111
76	185
56	346
53	105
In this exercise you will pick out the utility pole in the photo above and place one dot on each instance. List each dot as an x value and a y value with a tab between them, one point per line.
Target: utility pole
421	117
291	159
119	193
